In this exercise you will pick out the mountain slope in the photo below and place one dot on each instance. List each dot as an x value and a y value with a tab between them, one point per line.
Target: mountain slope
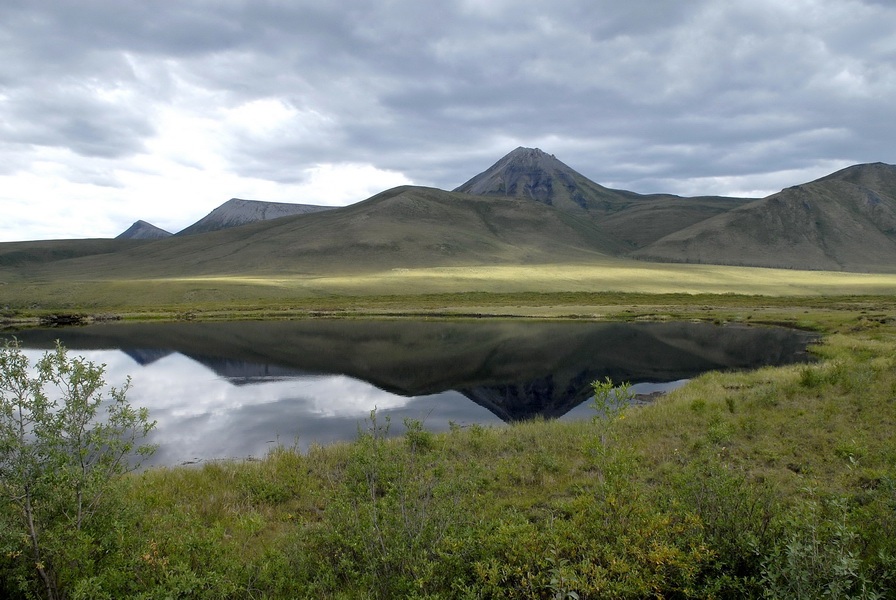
528	208
845	221
28	256
400	228
141	230
236	212
635	220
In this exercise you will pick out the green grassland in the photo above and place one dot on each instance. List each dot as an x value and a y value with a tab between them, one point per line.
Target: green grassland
412	289
777	483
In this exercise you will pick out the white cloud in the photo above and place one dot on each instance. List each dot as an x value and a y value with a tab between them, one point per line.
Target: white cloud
743	186
111	113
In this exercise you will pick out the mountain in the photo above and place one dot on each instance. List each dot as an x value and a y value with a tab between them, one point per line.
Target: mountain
528	208
844	221
404	227
141	230
532	174
635	220
25	256
236	212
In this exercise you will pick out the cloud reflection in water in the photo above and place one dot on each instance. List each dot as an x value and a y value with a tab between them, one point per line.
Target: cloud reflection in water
202	415
232	389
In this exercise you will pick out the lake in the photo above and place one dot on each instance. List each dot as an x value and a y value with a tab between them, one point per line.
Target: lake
232	389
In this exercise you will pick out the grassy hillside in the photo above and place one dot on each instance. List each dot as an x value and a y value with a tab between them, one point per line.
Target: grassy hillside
650	218
846	221
23	256
401	228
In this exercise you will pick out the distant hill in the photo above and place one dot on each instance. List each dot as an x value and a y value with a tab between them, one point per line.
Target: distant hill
29	255
635	220
141	230
845	221
528	208
236	212
403	227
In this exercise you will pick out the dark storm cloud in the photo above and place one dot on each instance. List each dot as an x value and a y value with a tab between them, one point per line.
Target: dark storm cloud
639	94
72	117
705	91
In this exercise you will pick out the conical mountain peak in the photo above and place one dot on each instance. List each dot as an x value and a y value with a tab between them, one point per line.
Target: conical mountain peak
526	172
536	175
535	157
141	230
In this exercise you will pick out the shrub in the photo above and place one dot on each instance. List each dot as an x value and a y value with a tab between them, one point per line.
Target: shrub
59	464
398	516
818	557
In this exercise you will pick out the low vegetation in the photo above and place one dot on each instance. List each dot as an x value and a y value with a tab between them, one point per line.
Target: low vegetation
68	289
777	483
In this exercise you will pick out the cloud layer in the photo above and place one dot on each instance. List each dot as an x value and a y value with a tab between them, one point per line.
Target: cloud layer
116	111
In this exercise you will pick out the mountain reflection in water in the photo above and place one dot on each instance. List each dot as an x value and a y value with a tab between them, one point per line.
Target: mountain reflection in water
517	370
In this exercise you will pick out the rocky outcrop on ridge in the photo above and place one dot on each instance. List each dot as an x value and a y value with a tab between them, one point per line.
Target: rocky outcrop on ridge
236	212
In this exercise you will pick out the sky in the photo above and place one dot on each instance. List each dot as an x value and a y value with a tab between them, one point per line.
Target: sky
117	110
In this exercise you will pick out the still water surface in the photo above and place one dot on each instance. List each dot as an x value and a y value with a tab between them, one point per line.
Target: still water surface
233	389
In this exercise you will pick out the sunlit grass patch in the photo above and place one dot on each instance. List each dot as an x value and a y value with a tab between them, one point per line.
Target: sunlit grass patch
602	276
609	275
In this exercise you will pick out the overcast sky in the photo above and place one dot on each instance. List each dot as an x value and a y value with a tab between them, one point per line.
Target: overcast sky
118	110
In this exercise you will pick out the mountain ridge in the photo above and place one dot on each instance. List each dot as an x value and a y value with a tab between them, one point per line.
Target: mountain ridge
404	227
532	173
527	208
843	221
237	211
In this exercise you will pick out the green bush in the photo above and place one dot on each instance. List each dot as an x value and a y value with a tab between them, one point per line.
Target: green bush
397	516
818	556
60	464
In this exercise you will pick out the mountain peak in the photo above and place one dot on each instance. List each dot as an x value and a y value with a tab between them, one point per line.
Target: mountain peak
531	153
522	172
536	175
878	175
237	211
141	230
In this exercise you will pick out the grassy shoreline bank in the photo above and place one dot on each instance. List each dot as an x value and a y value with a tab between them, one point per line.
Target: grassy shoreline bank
823	312
779	482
